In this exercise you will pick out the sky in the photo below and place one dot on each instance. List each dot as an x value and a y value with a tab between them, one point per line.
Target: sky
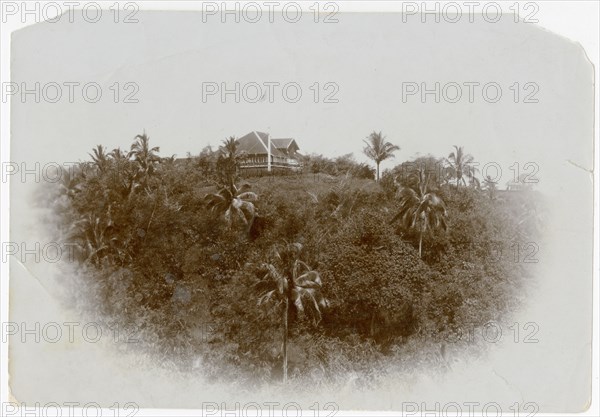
369	57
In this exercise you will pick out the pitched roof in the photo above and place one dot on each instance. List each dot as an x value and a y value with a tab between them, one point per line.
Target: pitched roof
282	143
256	143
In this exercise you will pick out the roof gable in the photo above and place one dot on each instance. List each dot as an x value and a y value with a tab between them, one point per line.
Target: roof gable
253	143
285	143
257	143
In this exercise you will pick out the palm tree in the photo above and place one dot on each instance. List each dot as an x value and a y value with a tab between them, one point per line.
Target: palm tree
378	149
126	175
100	158
421	209
291	281
235	204
460	165
491	186
120	155
71	181
145	156
230	158
230	150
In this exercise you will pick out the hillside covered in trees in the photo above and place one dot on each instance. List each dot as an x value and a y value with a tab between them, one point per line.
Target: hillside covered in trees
304	277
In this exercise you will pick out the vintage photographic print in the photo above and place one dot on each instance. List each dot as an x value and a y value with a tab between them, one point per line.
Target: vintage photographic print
298	208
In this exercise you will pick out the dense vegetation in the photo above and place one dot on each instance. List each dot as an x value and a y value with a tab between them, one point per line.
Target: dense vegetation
306	276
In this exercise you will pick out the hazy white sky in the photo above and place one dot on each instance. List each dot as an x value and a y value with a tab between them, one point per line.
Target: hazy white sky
369	56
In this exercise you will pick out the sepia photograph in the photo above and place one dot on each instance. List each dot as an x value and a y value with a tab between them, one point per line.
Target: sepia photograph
325	208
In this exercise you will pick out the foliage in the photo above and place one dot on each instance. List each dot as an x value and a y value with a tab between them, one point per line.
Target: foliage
421	209
373	294
377	149
174	246
234	204
460	164
342	165
291	282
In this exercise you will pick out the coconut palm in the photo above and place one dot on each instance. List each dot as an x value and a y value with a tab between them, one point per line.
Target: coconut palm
230	150
118	155
145	157
461	165
234	204
290	281
421	209
127	176
72	180
378	149
230	158
490	186
100	158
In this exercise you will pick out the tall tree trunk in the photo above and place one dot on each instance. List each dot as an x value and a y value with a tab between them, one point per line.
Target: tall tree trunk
150	221
420	242
285	337
377	171
372	329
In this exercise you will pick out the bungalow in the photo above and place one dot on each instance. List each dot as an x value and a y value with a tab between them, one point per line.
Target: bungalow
522	183
263	153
